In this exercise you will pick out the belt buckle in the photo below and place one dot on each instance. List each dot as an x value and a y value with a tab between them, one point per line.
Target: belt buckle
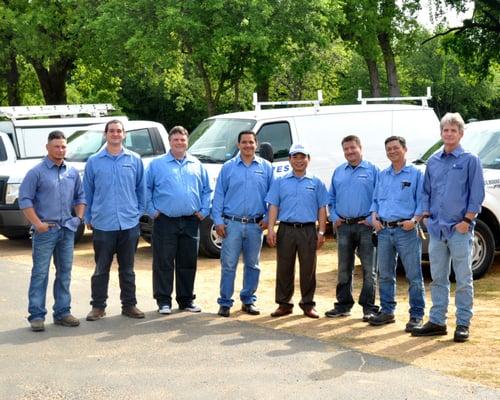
244	220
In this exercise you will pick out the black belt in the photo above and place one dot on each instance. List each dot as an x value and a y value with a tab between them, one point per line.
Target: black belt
180	217
392	224
350	221
298	224
245	220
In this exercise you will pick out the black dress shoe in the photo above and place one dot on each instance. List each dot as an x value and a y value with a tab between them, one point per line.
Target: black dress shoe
223	311
381	319
412	324
461	334
250	309
429	329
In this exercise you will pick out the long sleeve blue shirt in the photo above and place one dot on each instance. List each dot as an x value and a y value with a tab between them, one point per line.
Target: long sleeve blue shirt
398	196
351	190
241	189
298	198
177	188
115	190
453	186
52	192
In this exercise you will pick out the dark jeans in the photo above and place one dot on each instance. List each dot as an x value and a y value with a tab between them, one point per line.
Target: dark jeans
123	243
349	239
175	247
292	242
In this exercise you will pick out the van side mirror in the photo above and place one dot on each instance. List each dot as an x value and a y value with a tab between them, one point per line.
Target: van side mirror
266	151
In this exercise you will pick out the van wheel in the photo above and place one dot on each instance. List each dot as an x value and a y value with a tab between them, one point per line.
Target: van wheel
210	242
483	249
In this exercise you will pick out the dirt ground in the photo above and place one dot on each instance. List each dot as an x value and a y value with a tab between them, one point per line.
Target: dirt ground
477	360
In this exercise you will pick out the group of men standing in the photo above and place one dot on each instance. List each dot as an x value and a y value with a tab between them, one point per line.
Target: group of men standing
175	192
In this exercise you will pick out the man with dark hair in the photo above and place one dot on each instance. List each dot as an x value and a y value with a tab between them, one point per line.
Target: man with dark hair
297	199
178	198
115	192
238	213
351	193
453	194
48	195
396	211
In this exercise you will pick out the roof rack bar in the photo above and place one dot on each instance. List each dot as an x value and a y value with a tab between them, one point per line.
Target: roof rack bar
17	112
258	104
423	99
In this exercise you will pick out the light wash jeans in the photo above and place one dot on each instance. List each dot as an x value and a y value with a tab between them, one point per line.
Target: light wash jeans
60	243
246	239
406	244
456	250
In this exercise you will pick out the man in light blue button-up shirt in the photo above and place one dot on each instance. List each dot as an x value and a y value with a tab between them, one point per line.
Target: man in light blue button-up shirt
351	193
115	191
178	198
238	212
48	195
396	211
453	193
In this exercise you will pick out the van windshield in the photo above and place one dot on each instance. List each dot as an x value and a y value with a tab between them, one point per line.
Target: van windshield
82	144
214	140
484	142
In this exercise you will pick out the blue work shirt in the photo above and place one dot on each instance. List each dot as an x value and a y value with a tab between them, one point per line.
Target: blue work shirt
298	197
453	186
351	190
115	190
52	192
177	188
398	196
241	189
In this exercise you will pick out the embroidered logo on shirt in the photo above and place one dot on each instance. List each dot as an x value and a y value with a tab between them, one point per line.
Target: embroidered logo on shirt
405	184
310	188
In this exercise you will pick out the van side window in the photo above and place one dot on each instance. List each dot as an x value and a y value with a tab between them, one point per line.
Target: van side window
3	152
139	141
279	135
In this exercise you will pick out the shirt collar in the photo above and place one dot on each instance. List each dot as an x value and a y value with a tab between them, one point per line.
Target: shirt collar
456	152
188	158
104	152
290	175
256	159
49	163
406	168
362	164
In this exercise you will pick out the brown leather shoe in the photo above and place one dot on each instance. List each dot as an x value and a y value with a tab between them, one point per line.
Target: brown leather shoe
95	314
68	320
311	313
281	311
132	312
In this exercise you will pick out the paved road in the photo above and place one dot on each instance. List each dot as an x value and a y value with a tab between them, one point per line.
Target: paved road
186	356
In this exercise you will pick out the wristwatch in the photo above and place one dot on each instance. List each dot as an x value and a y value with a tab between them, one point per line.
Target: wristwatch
468	220
321	233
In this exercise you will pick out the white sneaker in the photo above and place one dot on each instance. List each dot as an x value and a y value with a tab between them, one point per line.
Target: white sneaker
192	308
165	310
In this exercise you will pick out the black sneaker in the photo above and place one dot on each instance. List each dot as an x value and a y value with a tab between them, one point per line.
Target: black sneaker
429	329
413	323
334	313
368	315
223	311
461	334
381	319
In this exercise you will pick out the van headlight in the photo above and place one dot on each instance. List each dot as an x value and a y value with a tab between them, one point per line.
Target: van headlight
12	193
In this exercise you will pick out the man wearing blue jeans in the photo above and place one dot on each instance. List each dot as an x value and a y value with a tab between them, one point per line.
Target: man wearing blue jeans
178	198
453	193
115	192
351	194
48	195
396	211
238	211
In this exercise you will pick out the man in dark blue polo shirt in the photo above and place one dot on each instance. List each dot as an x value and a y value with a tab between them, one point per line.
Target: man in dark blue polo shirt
48	195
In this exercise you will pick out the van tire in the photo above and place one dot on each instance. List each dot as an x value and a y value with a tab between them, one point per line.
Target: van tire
210	242
483	249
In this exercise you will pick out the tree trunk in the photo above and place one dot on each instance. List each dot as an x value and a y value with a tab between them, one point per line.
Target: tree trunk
262	89
211	106
12	78
374	77
390	64
236	103
53	80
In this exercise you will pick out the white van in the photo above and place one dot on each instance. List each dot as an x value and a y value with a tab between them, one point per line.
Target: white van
23	136
321	129
483	139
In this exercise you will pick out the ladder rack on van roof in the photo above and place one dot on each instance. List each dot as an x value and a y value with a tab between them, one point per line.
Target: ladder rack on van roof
423	99
19	112
316	103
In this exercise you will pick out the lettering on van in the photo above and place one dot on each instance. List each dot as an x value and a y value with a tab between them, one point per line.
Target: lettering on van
492	183
281	169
